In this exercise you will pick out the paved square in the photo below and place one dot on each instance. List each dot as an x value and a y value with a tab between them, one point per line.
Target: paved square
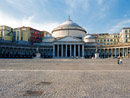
64	78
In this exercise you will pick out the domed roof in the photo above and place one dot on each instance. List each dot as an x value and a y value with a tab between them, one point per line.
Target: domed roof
69	28
69	25
89	37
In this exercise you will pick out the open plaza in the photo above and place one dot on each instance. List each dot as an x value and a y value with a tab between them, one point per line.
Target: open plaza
66	63
45	54
64	78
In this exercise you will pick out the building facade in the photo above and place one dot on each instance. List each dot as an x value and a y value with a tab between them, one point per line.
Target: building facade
108	39
125	35
68	40
6	33
20	36
35	36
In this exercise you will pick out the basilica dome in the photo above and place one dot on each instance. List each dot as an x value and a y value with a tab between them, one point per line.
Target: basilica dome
69	28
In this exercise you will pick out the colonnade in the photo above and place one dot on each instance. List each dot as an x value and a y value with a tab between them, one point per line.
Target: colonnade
12	52
109	52
68	50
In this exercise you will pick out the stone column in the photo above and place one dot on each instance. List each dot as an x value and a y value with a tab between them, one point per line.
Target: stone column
57	50
74	50
115	52
111	52
82	50
78	50
104	52
123	53
62	50
70	50
127	51
119	52
66	51
108	52
53	51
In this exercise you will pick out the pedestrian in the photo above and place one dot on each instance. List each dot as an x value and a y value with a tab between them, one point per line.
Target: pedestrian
121	62
118	60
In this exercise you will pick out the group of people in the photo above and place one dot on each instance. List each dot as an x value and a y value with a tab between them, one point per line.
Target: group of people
119	60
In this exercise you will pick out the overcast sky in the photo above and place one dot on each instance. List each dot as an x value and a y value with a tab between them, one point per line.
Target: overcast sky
96	16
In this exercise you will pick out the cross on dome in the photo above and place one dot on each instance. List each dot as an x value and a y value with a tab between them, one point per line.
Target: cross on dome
69	17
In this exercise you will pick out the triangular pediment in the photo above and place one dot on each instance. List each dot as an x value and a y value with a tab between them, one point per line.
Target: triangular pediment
69	39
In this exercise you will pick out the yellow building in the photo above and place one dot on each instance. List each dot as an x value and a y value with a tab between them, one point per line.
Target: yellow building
116	38
100	38
6	33
108	39
20	36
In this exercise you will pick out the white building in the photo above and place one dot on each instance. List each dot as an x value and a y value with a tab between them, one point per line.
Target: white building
68	40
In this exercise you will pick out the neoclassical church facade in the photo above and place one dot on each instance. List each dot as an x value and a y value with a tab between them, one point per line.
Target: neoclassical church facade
68	40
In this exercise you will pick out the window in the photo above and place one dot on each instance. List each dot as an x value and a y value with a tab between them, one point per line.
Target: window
17	35
125	35
129	30
111	40
21	35
125	31
104	40
108	40
126	40
115	36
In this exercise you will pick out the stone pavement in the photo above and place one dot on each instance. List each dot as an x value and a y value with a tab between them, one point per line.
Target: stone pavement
64	78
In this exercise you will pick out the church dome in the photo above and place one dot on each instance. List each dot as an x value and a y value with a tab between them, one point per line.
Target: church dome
89	39
69	28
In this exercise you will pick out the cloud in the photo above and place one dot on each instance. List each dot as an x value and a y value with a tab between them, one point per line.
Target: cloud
6	19
95	8
120	25
100	2
75	4
23	8
127	14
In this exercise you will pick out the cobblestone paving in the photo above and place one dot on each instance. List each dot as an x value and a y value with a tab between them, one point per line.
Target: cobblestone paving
63	64
67	78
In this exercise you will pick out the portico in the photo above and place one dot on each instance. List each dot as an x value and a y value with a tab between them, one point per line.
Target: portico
68	50
67	47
